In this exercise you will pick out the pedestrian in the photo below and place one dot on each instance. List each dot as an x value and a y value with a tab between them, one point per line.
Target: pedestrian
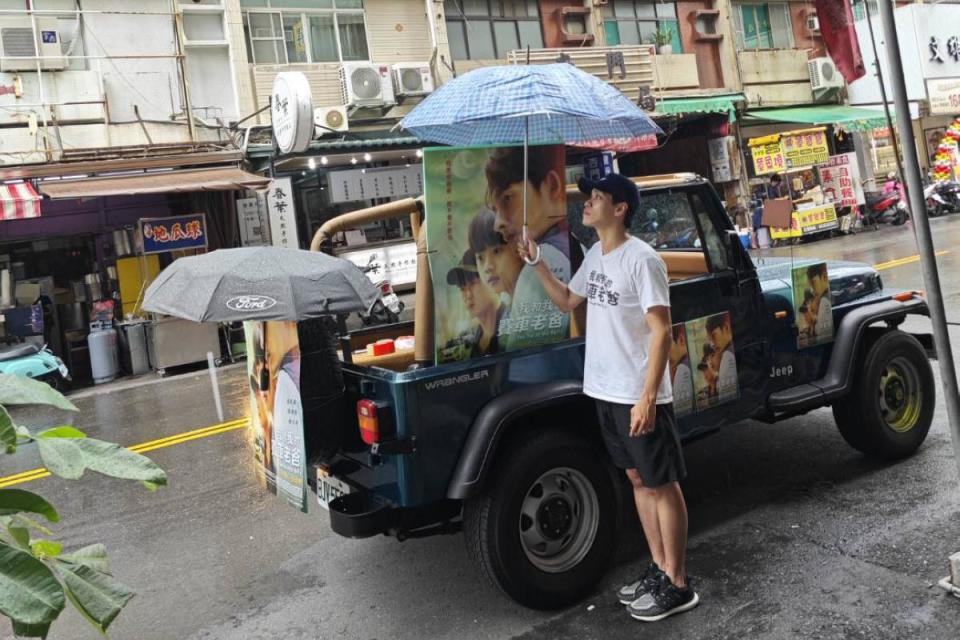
773	191
628	340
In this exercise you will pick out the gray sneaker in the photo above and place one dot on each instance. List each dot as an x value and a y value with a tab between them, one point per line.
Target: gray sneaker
647	583
663	601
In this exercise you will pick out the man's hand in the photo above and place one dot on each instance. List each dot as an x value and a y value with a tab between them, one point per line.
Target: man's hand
529	250
643	417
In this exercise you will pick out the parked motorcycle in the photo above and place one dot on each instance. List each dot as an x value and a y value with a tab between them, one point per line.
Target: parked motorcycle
935	203
885	207
949	192
387	309
35	362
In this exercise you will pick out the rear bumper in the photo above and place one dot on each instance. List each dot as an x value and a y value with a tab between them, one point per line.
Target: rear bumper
363	514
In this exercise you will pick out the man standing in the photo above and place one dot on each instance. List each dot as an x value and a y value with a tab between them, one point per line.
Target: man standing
627	345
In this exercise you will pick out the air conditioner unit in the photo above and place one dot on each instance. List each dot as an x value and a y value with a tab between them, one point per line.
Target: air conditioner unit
366	84
824	74
329	119
813	23
412	78
18	40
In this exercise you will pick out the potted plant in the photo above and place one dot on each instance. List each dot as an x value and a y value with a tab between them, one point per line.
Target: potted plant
663	38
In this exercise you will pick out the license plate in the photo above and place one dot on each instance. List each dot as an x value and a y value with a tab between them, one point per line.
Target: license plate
329	488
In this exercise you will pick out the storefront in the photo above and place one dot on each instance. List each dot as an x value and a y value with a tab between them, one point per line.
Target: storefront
80	253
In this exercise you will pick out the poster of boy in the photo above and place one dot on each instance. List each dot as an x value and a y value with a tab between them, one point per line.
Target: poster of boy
485	300
680	373
710	343
811	304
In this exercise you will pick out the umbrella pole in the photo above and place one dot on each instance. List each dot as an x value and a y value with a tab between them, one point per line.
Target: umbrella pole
526	229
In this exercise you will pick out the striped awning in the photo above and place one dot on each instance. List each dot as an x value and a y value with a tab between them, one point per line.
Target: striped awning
18	200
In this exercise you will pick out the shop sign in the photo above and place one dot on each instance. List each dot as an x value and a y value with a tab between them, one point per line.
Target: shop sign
175	233
807	221
396	263
283	215
840	180
804	149
384	182
944	96
291	111
252	220
768	158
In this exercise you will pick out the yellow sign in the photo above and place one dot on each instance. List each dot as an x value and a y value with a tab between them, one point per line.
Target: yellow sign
299	43
805	149
768	158
807	221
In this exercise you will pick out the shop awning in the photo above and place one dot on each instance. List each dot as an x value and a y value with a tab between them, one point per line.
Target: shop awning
18	201
220	179
850	118
702	104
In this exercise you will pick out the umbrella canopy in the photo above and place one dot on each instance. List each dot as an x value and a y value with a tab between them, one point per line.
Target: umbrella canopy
539	104
259	283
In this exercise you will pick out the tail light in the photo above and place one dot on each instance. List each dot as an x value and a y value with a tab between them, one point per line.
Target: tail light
369	421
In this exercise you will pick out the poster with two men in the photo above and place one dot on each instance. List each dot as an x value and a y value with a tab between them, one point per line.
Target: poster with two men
487	299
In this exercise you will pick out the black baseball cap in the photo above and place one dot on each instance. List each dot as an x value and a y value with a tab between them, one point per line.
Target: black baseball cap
620	187
465	271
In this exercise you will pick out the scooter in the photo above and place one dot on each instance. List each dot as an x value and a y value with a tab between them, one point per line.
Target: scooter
949	192
885	208
935	202
35	362
387	308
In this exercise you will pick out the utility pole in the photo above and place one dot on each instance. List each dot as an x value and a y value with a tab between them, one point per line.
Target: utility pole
928	261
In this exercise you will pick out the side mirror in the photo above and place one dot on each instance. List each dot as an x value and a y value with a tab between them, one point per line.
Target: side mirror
735	251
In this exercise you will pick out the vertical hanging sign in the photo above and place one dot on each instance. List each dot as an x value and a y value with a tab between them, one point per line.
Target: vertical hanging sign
283	218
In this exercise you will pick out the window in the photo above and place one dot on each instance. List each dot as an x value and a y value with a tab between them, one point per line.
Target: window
488	29
860	9
284	32
636	22
763	25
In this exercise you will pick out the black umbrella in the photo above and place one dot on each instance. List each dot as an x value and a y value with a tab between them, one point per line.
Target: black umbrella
259	283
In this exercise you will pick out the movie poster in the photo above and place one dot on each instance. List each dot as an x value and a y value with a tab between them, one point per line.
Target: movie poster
710	344
811	304
273	365
487	299
681	374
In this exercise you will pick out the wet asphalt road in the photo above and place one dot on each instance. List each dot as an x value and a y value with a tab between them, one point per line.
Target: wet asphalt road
793	534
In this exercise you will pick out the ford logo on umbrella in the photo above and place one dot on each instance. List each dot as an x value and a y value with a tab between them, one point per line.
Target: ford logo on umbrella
251	303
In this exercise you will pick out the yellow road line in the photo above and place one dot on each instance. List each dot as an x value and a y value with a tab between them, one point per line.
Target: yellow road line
186	436
899	262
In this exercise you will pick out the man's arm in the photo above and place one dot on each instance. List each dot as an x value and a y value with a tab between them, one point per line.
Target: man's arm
561	295
643	415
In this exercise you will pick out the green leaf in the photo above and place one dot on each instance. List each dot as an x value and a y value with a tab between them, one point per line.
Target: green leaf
151	486
22	630
113	460
96	595
29	592
30	523
62	456
8	433
16	390
65	431
46	548
18	501
21	535
93	556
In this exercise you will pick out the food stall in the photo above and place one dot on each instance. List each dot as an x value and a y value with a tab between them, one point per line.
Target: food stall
795	155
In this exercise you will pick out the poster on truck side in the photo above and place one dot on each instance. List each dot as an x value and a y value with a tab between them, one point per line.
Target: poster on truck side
710	343
487	299
276	410
812	306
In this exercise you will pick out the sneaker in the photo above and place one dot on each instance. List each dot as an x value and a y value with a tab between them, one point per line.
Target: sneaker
664	601
647	583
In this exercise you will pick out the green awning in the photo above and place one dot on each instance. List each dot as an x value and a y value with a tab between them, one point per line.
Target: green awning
850	118
703	104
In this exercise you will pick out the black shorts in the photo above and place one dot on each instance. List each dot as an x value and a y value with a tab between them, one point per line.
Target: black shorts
656	456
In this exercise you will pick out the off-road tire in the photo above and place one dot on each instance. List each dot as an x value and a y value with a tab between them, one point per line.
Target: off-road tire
891	364
493	520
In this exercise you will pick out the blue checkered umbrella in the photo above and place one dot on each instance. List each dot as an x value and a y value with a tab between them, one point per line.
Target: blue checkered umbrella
539	104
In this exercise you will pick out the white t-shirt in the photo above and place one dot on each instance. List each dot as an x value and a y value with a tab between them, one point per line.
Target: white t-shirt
727	377
683	389
620	288
824	324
